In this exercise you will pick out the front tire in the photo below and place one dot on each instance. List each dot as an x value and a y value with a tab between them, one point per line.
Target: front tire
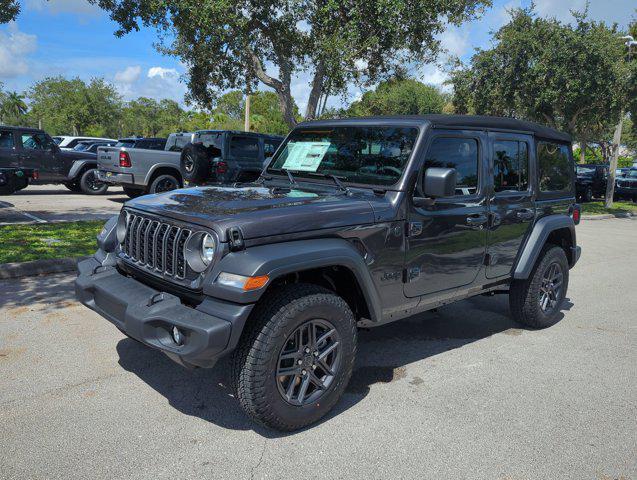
90	185
296	357
536	301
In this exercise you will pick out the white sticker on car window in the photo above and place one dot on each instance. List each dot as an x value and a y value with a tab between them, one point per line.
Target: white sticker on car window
305	156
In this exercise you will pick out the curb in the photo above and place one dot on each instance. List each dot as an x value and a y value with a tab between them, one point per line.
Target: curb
38	267
607	216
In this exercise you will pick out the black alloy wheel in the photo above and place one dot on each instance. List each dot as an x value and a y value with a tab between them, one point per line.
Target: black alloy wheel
551	291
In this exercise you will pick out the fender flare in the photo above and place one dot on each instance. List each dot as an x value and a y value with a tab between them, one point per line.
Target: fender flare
540	233
77	167
156	166
278	259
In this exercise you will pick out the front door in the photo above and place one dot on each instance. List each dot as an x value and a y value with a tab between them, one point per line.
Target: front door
446	241
38	153
512	207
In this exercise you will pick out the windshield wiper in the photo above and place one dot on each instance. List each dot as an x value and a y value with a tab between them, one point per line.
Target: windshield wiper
289	174
337	180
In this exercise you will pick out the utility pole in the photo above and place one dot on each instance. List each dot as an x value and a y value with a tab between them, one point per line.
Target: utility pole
617	138
246	122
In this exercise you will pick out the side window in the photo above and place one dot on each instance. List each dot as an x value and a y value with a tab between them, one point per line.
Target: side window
270	146
555	171
458	153
36	141
6	139
510	166
244	147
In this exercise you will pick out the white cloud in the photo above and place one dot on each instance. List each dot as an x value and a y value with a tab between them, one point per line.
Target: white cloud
15	46
455	40
128	75
80	7
162	72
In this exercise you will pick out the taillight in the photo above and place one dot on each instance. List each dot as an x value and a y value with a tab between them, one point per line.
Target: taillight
576	214
124	160
222	167
35	175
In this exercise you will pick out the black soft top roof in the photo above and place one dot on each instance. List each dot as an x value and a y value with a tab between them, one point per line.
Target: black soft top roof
452	121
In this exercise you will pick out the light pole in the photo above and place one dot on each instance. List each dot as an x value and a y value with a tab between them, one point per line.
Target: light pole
617	136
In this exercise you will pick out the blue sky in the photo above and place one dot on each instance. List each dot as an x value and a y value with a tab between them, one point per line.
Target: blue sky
74	38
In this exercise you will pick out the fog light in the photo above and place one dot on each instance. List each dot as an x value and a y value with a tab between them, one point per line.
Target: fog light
177	336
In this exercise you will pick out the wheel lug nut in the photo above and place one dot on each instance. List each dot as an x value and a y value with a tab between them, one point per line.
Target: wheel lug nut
303	372
300	362
307	350
313	367
316	354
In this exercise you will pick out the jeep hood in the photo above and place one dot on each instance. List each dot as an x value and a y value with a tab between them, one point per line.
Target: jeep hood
259	211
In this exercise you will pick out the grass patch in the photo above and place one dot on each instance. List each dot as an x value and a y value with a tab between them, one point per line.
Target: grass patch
22	243
597	208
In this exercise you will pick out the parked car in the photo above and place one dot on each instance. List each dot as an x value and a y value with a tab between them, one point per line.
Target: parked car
33	150
591	181
140	167
626	186
621	172
221	156
92	146
143	143
354	223
66	142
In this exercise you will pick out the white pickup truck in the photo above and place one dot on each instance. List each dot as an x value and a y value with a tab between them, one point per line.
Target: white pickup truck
139	170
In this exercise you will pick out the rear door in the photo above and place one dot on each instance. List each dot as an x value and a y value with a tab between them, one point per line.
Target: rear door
9	156
512	208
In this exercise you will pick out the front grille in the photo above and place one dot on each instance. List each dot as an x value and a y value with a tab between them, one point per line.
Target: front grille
156	245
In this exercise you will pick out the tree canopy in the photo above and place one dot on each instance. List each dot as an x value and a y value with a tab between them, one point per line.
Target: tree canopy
9	10
399	96
237	44
572	77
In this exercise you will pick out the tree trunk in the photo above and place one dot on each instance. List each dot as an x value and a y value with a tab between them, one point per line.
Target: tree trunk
582	151
315	93
610	186
246	120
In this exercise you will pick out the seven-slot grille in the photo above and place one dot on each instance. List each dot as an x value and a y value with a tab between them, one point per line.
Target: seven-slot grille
156	245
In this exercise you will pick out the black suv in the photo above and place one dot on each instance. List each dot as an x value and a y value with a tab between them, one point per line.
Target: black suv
224	156
34	149
354	223
591	181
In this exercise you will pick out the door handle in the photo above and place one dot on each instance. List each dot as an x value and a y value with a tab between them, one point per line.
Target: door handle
477	220
525	214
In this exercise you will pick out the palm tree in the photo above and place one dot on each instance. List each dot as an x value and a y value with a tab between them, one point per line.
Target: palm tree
13	107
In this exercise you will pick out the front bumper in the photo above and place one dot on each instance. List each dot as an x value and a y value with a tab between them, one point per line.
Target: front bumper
210	330
626	191
115	178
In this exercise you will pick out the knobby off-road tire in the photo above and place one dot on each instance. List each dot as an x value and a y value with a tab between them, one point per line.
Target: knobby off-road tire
164	183
90	185
195	164
257	362
525	296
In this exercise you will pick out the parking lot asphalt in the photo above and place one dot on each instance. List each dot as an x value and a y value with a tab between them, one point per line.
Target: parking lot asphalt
51	203
461	393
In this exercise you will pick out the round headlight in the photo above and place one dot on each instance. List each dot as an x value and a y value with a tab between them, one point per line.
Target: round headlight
121	226
208	248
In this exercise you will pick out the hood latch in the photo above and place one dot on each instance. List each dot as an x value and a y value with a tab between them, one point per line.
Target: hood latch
235	239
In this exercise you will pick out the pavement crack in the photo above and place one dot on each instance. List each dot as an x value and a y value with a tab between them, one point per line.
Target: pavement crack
258	464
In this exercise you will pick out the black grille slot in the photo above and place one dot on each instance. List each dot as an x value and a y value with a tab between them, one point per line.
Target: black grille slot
156	245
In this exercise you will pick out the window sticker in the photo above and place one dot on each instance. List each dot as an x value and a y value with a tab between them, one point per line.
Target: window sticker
305	156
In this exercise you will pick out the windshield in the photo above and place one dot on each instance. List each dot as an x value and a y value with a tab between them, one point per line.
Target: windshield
57	140
632	174
368	155
80	147
125	144
585	170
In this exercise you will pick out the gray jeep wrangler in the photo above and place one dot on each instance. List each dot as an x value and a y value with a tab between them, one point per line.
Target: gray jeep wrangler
353	223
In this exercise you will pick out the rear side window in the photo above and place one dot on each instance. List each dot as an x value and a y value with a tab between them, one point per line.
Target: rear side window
244	147
6	139
555	171
270	146
36	141
458	153
510	166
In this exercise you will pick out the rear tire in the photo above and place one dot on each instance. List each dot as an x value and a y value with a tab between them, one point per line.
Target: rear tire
90	185
536	301
278	366
195	164
164	182
133	192
588	195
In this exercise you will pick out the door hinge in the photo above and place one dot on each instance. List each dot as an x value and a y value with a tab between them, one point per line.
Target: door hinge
414	229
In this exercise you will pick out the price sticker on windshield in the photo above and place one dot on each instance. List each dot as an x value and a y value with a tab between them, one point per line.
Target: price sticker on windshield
305	156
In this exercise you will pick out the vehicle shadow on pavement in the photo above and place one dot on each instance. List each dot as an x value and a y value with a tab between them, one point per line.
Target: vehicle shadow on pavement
384	356
45	293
